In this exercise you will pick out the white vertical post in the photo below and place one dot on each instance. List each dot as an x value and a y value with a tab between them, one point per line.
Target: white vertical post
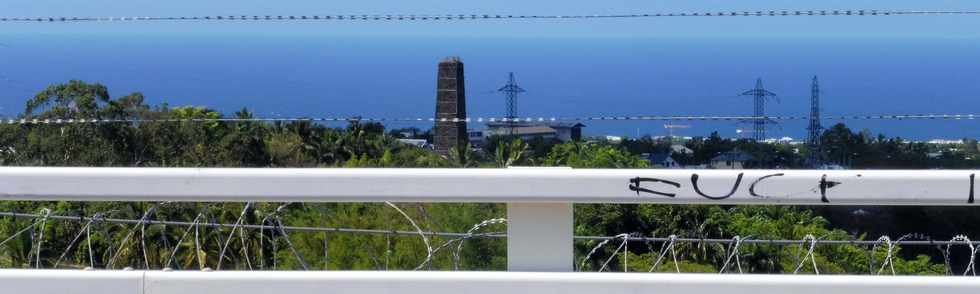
539	237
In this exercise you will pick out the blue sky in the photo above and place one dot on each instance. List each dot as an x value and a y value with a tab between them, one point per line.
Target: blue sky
762	27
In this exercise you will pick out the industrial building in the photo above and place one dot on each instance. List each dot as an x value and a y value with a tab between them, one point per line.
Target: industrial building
562	131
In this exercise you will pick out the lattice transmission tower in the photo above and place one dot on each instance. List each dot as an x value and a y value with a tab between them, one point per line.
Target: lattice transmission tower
759	121
511	90
814	128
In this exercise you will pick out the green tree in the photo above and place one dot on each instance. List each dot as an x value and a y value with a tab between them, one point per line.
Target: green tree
588	155
512	153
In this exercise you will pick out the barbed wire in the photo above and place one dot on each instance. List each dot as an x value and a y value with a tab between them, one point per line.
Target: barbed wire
474	235
775	241
488	17
808	243
552	119
246	226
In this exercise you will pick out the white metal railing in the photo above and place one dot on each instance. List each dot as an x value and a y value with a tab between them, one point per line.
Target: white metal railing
513	185
539	220
361	282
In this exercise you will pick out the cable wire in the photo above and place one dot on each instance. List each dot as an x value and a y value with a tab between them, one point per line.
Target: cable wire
415	233
478	17
488	120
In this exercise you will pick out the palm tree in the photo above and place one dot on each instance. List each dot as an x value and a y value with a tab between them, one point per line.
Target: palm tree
508	154
463	157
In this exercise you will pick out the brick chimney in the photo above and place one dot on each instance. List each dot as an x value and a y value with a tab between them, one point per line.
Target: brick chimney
450	104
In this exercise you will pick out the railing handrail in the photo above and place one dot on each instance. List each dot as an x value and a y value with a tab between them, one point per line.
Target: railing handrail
510	185
249	282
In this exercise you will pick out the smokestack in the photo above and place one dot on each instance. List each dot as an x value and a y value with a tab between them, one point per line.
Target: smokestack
450	105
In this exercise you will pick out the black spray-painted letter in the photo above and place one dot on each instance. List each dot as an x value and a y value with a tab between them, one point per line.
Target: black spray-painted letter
824	185
635	186
694	181
972	177
756	182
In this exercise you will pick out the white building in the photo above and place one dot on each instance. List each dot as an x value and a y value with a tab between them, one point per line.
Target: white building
421	143
680	149
476	137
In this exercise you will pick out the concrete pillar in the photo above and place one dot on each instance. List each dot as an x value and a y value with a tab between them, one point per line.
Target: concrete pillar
539	237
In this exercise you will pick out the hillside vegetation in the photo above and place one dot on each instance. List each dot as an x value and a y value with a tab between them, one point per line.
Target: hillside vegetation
304	144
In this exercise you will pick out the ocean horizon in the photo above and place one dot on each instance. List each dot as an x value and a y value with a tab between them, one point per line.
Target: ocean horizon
296	75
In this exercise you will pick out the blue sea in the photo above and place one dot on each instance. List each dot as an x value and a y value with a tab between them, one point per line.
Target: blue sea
285	76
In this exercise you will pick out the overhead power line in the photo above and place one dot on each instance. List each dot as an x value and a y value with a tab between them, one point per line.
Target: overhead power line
64	121
760	95
437	17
